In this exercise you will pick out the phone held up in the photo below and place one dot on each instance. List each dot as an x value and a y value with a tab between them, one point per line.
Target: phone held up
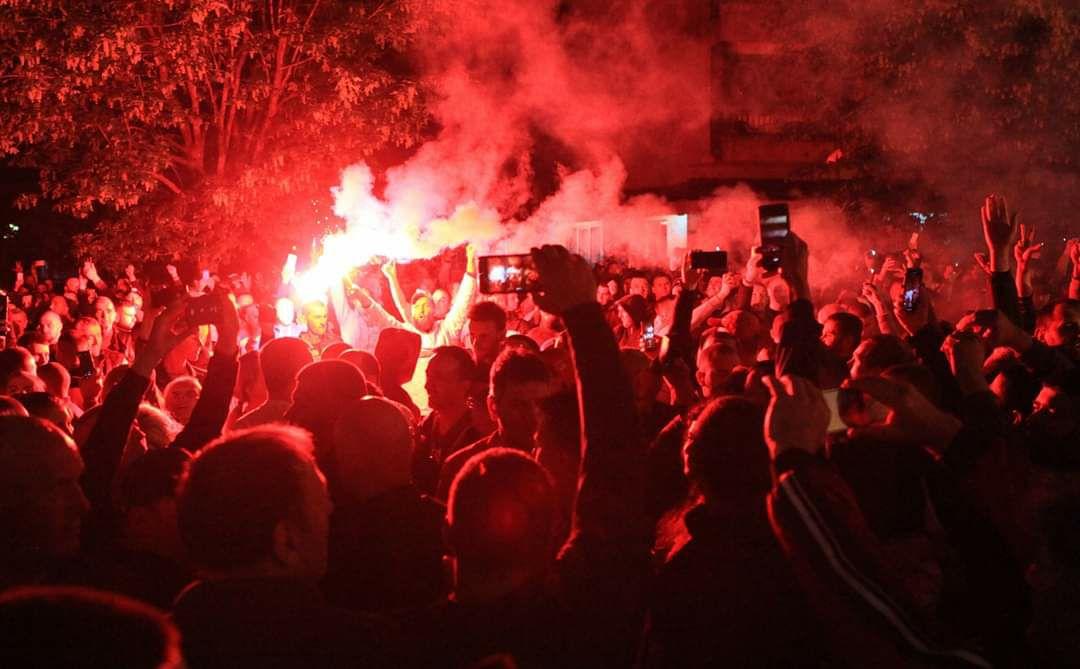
514	273
203	310
649	340
774	221
913	286
715	262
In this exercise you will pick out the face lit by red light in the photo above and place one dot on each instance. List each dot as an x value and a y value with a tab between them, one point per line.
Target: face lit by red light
1061	328
517	412
447	387
90	331
486	340
128	316
423	314
105	312
661	287
603	295
59	304
316	317
639	285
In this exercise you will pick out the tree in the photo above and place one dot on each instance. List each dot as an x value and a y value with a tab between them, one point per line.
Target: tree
965	96
201	127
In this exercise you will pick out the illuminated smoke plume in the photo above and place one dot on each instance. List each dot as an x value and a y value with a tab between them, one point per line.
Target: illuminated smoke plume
538	107
541	105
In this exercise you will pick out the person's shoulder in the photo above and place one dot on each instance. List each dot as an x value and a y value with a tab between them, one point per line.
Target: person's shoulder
457	460
462	456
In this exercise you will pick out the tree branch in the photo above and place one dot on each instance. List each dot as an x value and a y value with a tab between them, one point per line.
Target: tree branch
168	183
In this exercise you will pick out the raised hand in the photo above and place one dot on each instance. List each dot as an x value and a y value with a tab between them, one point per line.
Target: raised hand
754	270
691	277
912	418
470	260
966	354
891	268
1024	252
872	295
1000	230
995	329
913	321
227	324
567	280
90	269
797	417
795	266
358	294
730	284
1072	248
166	332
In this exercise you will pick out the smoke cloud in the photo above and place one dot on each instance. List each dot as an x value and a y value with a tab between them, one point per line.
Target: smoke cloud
542	105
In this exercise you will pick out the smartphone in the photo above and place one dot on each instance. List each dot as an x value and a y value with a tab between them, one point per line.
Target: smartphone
203	310
84	366
913	281
836	423
41	272
713	261
859	410
508	274
774	221
649	340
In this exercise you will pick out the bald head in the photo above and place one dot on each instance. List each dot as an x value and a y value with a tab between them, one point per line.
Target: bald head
51	325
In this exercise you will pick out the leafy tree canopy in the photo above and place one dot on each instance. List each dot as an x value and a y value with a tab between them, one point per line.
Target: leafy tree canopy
966	96
208	128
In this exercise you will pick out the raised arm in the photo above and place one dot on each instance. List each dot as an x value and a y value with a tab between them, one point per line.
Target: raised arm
452	325
354	298
700	314
1000	231
886	322
104	447
817	520
609	506
212	409
1025	253
1073	249
680	337
389	270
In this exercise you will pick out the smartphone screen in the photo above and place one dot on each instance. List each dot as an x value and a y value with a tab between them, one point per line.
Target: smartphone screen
714	261
836	424
774	221
912	288
507	274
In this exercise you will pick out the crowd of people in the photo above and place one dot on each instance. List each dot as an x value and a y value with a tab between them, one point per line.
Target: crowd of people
621	468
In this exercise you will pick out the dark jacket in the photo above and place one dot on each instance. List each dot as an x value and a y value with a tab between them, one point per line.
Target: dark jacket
453	464
729	597
868	616
432	450
386	552
273	623
104	448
